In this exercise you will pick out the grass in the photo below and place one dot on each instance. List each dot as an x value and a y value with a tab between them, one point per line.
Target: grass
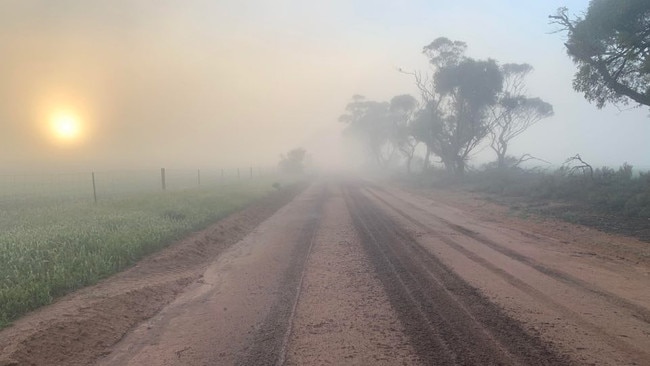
51	247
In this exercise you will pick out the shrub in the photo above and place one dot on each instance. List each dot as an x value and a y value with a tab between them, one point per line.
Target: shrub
613	191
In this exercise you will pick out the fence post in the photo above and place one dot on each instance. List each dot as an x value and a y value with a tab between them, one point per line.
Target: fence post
251	171
198	176
94	188
162	179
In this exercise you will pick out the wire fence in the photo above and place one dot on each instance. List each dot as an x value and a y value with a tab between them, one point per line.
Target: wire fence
100	185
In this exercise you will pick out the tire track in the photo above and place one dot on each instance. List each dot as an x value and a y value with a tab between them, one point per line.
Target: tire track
514	281
282	354
449	321
268	346
637	311
344	316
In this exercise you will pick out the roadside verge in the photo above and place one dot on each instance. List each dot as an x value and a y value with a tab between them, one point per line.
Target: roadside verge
83	325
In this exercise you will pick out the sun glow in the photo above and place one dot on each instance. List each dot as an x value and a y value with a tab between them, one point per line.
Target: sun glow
65	126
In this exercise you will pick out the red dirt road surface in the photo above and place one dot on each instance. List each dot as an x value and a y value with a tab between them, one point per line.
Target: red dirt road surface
352	273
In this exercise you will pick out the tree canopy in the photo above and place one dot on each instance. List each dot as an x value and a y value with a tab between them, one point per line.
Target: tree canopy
403	109
369	121
382	127
514	112
456	100
610	45
294	161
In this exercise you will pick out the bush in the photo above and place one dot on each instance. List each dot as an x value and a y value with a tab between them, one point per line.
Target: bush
613	191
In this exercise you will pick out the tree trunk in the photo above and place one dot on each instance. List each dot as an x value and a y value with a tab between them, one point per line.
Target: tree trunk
427	158
501	160
408	164
460	167
449	166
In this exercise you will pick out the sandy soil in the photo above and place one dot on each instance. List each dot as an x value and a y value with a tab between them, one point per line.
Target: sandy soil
583	291
356	273
344	316
223	318
448	321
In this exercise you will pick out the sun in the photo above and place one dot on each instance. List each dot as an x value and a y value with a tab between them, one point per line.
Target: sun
65	126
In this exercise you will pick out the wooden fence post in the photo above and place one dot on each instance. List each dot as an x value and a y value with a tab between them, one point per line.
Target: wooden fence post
162	179
94	188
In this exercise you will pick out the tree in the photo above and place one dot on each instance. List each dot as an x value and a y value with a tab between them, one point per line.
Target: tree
468	89
611	47
402	110
370	122
455	116
294	161
576	163
424	128
514	112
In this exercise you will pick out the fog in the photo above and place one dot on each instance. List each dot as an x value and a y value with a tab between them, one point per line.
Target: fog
228	83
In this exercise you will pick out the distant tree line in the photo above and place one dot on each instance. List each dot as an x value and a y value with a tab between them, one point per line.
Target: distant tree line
462	102
465	103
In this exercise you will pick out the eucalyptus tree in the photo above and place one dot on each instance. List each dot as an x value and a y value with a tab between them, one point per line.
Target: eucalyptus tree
456	102
610	45
514	112
294	161
403	109
370	123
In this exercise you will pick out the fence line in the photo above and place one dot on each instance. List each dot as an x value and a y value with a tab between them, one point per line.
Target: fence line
98	185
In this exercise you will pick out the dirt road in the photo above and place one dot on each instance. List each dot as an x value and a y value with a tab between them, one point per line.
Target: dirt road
356	273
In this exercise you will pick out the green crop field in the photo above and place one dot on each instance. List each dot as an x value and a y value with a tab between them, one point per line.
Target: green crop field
49	247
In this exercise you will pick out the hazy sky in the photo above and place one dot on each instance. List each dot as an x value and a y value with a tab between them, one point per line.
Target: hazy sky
214	83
